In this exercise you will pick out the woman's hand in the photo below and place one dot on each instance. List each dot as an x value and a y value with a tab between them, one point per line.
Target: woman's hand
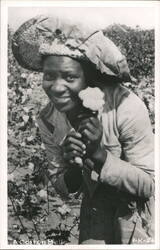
92	131
73	147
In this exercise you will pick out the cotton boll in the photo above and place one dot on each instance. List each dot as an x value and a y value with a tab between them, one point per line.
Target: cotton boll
92	98
42	195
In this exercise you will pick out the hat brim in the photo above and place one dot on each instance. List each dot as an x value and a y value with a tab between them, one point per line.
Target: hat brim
25	50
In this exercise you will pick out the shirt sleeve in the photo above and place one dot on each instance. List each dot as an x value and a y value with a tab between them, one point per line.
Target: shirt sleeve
134	173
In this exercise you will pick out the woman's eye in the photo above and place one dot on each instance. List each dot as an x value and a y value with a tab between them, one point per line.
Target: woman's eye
49	77
70	78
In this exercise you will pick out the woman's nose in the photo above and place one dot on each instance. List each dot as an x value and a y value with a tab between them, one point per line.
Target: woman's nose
58	87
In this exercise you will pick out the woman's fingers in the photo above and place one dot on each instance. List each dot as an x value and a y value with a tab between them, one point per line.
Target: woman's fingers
89	164
89	135
71	155
89	126
74	139
74	134
72	147
93	120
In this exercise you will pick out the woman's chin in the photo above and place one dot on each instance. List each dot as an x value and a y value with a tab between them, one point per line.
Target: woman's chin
64	107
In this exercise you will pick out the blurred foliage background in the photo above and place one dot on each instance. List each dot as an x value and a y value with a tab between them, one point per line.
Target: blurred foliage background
35	211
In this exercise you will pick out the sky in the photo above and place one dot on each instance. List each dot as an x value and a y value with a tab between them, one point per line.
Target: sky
98	17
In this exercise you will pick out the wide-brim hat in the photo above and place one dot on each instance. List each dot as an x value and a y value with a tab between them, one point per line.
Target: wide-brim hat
44	35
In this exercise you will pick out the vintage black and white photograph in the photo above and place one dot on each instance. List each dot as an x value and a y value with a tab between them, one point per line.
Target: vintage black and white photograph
81	125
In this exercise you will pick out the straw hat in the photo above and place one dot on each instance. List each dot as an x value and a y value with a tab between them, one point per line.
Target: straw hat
45	35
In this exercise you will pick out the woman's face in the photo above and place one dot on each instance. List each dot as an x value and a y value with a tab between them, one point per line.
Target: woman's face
62	81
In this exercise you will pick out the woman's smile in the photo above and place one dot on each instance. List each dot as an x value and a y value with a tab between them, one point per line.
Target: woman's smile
62	99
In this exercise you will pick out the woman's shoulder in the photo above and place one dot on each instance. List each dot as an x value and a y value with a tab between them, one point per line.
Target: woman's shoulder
119	96
116	90
129	110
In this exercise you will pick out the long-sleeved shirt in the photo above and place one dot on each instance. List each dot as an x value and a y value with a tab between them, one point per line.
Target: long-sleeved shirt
127	138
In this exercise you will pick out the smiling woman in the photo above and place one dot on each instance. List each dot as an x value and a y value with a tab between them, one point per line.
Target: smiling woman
63	80
113	143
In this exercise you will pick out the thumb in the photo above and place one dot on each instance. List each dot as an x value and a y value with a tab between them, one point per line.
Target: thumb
78	161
